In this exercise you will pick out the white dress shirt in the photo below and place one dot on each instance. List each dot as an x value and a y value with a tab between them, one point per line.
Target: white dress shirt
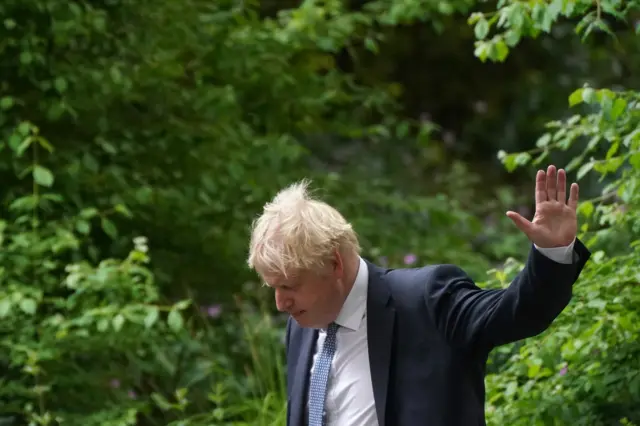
349	400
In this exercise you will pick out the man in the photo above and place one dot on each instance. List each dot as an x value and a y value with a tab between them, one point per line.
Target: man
368	346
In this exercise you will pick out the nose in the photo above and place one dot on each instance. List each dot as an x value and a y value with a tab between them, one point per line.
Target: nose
283	302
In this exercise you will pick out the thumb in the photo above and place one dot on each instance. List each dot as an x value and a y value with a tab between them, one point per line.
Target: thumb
523	224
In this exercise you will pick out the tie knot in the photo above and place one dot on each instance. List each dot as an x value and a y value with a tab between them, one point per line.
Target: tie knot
332	329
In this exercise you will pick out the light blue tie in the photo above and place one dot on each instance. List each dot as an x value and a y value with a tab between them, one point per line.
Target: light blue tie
320	376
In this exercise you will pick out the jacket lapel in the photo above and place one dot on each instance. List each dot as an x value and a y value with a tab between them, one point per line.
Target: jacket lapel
380	323
301	378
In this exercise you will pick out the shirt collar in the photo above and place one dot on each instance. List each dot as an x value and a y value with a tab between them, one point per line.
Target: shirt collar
354	307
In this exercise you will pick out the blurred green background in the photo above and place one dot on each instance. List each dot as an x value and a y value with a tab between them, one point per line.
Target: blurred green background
139	139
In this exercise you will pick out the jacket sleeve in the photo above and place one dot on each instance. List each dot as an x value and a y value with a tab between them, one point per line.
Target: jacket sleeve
288	379
472	317
287	336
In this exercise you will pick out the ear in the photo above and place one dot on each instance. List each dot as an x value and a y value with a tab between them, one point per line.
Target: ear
338	264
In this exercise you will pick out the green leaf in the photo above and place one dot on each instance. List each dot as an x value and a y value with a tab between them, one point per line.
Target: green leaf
593	142
5	307
575	162
533	371
152	317
584	169
181	305
543	141
618	107
118	322
28	306
103	325
371	44
6	102
481	29
109	228
512	38
501	50
24	145
26	57
25	128
175	320
634	160
44	143
475	17
588	95
540	158
609	166
481	50
613	150
83	227
509	162
42	176
402	130
88	212
586	208
123	210
60	84
575	98
161	402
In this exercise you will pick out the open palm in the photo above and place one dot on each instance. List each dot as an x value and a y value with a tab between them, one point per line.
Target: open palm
555	222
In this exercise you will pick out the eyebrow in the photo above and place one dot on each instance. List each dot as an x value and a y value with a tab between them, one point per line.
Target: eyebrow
283	285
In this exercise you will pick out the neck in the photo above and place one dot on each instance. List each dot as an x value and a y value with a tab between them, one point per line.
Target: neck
351	272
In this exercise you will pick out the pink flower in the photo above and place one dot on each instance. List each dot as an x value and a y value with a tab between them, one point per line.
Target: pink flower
563	371
132	395
212	311
410	259
115	383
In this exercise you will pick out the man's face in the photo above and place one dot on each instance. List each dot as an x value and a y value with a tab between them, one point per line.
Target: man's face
312	298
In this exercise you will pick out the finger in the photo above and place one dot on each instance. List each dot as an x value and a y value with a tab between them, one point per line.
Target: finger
551	183
541	187
574	193
523	224
562	186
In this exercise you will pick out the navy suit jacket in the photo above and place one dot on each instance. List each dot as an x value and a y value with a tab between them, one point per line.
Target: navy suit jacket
430	331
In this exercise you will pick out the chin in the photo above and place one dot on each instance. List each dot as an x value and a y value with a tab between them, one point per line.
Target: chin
305	320
304	323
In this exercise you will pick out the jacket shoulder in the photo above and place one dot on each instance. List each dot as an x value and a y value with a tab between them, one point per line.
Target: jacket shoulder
418	280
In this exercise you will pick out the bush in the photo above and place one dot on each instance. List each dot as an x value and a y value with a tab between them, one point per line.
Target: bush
585	370
96	343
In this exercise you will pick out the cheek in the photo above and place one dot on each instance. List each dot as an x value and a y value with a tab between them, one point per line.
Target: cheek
311	296
325	293
316	291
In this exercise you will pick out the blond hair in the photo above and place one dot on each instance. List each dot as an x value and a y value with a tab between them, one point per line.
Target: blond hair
297	232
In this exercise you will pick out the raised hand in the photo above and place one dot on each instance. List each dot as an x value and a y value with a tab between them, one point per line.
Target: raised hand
555	223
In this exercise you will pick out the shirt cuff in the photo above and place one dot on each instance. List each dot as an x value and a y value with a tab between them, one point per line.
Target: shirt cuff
559	254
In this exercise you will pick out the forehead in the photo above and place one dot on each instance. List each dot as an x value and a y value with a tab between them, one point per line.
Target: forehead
276	279
291	279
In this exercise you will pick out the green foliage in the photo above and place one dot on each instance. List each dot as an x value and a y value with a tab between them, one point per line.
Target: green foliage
515	20
89	344
177	119
176	123
169	125
585	370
